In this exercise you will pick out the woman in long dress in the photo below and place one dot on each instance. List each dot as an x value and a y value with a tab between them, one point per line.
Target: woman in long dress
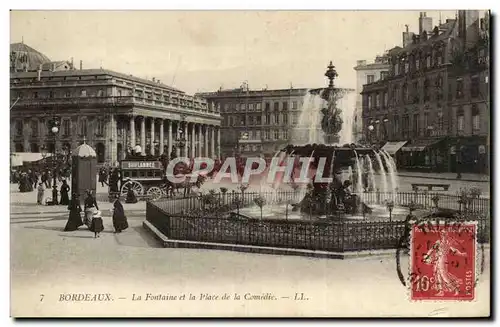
119	219
74	220
64	193
90	205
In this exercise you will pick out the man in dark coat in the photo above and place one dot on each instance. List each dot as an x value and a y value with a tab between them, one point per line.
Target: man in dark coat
119	219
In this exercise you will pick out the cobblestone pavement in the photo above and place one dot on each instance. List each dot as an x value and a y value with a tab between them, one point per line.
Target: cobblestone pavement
47	261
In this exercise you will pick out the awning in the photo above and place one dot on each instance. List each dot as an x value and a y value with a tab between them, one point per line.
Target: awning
393	147
420	145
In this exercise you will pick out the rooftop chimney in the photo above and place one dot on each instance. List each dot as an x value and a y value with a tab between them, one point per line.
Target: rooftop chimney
361	63
39	71
81	64
424	23
158	81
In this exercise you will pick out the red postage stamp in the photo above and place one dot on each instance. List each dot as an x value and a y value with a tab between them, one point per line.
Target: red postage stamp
443	262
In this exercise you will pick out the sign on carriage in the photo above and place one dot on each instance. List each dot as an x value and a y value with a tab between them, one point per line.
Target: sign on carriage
141	164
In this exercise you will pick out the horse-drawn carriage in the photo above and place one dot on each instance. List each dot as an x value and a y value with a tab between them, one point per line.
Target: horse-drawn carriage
146	176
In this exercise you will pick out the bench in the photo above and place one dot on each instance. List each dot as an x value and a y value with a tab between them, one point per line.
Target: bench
430	187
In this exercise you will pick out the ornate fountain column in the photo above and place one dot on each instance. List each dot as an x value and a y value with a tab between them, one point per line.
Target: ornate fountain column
331	122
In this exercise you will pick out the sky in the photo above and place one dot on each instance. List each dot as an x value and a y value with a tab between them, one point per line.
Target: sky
199	51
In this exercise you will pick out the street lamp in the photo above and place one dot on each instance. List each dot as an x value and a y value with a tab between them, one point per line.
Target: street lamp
54	128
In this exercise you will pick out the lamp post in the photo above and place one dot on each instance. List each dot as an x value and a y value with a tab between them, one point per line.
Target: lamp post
370	131
54	128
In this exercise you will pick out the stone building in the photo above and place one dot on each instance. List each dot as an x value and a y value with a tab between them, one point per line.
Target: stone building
367	73
111	111
256	122
435	98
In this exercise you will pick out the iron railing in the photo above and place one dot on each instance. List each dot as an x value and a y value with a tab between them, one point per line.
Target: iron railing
423	200
185	219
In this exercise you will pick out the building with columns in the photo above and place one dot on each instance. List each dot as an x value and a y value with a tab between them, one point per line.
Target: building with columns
111	111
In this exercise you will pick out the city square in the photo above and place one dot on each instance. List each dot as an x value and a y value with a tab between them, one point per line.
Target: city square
109	203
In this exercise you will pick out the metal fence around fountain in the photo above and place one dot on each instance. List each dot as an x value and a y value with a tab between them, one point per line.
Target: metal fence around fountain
423	200
184	219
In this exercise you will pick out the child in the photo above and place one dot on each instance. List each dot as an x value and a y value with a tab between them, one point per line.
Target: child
96	225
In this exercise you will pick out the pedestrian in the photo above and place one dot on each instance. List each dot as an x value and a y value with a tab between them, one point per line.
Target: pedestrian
103	177
64	193
119	219
89	205
96	224
40	194
75	219
131	198
54	195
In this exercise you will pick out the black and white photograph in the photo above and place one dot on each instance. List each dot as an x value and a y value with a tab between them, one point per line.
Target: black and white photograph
250	163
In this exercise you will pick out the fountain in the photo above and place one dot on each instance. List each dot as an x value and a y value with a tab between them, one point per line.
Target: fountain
322	129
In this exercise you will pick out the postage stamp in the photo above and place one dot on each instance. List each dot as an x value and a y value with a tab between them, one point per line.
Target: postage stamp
443	262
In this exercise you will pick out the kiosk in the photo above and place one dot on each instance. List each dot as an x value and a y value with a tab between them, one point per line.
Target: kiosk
84	171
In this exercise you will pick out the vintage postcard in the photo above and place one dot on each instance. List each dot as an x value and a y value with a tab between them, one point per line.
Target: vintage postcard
250	163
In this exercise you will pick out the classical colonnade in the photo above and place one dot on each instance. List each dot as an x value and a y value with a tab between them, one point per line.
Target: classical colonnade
152	134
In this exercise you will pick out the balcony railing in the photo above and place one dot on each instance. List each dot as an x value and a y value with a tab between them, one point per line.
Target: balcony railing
109	101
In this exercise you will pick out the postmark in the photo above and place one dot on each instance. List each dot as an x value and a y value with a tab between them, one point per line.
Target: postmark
443	262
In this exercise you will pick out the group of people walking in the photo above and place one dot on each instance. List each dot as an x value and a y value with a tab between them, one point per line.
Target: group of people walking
92	216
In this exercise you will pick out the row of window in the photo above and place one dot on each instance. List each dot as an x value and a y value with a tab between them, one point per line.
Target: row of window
257	106
66	128
406	95
275	134
266	119
428	129
414	63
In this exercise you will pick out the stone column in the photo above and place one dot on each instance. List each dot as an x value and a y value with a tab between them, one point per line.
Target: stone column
200	153
205	143
110	143
169	138
152	145
218	142
193	141
143	135
26	135
162	137
177	136
132	132
212	142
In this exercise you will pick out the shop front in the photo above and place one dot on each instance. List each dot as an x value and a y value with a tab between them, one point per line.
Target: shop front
468	154
424	155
